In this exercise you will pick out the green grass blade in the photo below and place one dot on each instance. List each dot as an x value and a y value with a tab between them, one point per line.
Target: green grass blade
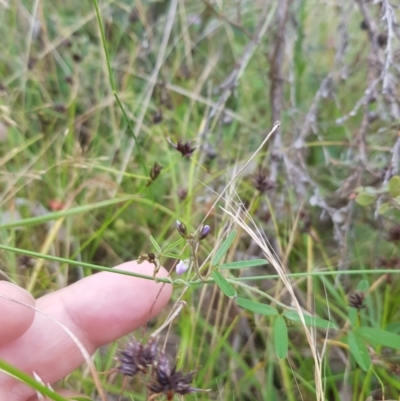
30	381
114	89
359	350
243	264
65	213
223	248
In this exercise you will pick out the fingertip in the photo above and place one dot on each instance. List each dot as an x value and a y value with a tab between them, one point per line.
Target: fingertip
108	305
16	314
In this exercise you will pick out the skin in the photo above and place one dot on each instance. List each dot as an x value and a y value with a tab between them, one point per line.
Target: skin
98	309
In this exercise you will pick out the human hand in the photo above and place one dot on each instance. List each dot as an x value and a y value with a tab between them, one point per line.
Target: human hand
98	309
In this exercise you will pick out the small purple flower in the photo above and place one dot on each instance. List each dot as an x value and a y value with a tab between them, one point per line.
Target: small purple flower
204	232
181	229
181	267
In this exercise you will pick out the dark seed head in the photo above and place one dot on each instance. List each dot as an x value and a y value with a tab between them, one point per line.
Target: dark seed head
150	352
134	15
171	381
129	359
163	370
32	62
364	25
157	117
25	261
356	300
66	43
394	234
184	72
185	148
60	108
77	57
137	357
261	181
392	263
182	193
154	172
382	39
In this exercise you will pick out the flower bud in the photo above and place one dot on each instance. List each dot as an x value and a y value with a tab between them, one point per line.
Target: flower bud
181	229
204	232
181	267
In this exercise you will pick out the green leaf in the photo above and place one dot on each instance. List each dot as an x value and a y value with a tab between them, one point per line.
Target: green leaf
243	264
280	337
224	285
175	255
353	316
223	248
370	190
365	199
311	321
380	337
394	186
256	307
173	245
363	286
359	350
393	327
155	244
384	207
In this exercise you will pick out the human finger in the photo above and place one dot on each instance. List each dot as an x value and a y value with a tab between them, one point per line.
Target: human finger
97	309
15	315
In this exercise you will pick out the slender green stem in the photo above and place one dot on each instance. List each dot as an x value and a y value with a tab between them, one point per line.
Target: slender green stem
114	90
320	273
83	264
194	246
233	280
